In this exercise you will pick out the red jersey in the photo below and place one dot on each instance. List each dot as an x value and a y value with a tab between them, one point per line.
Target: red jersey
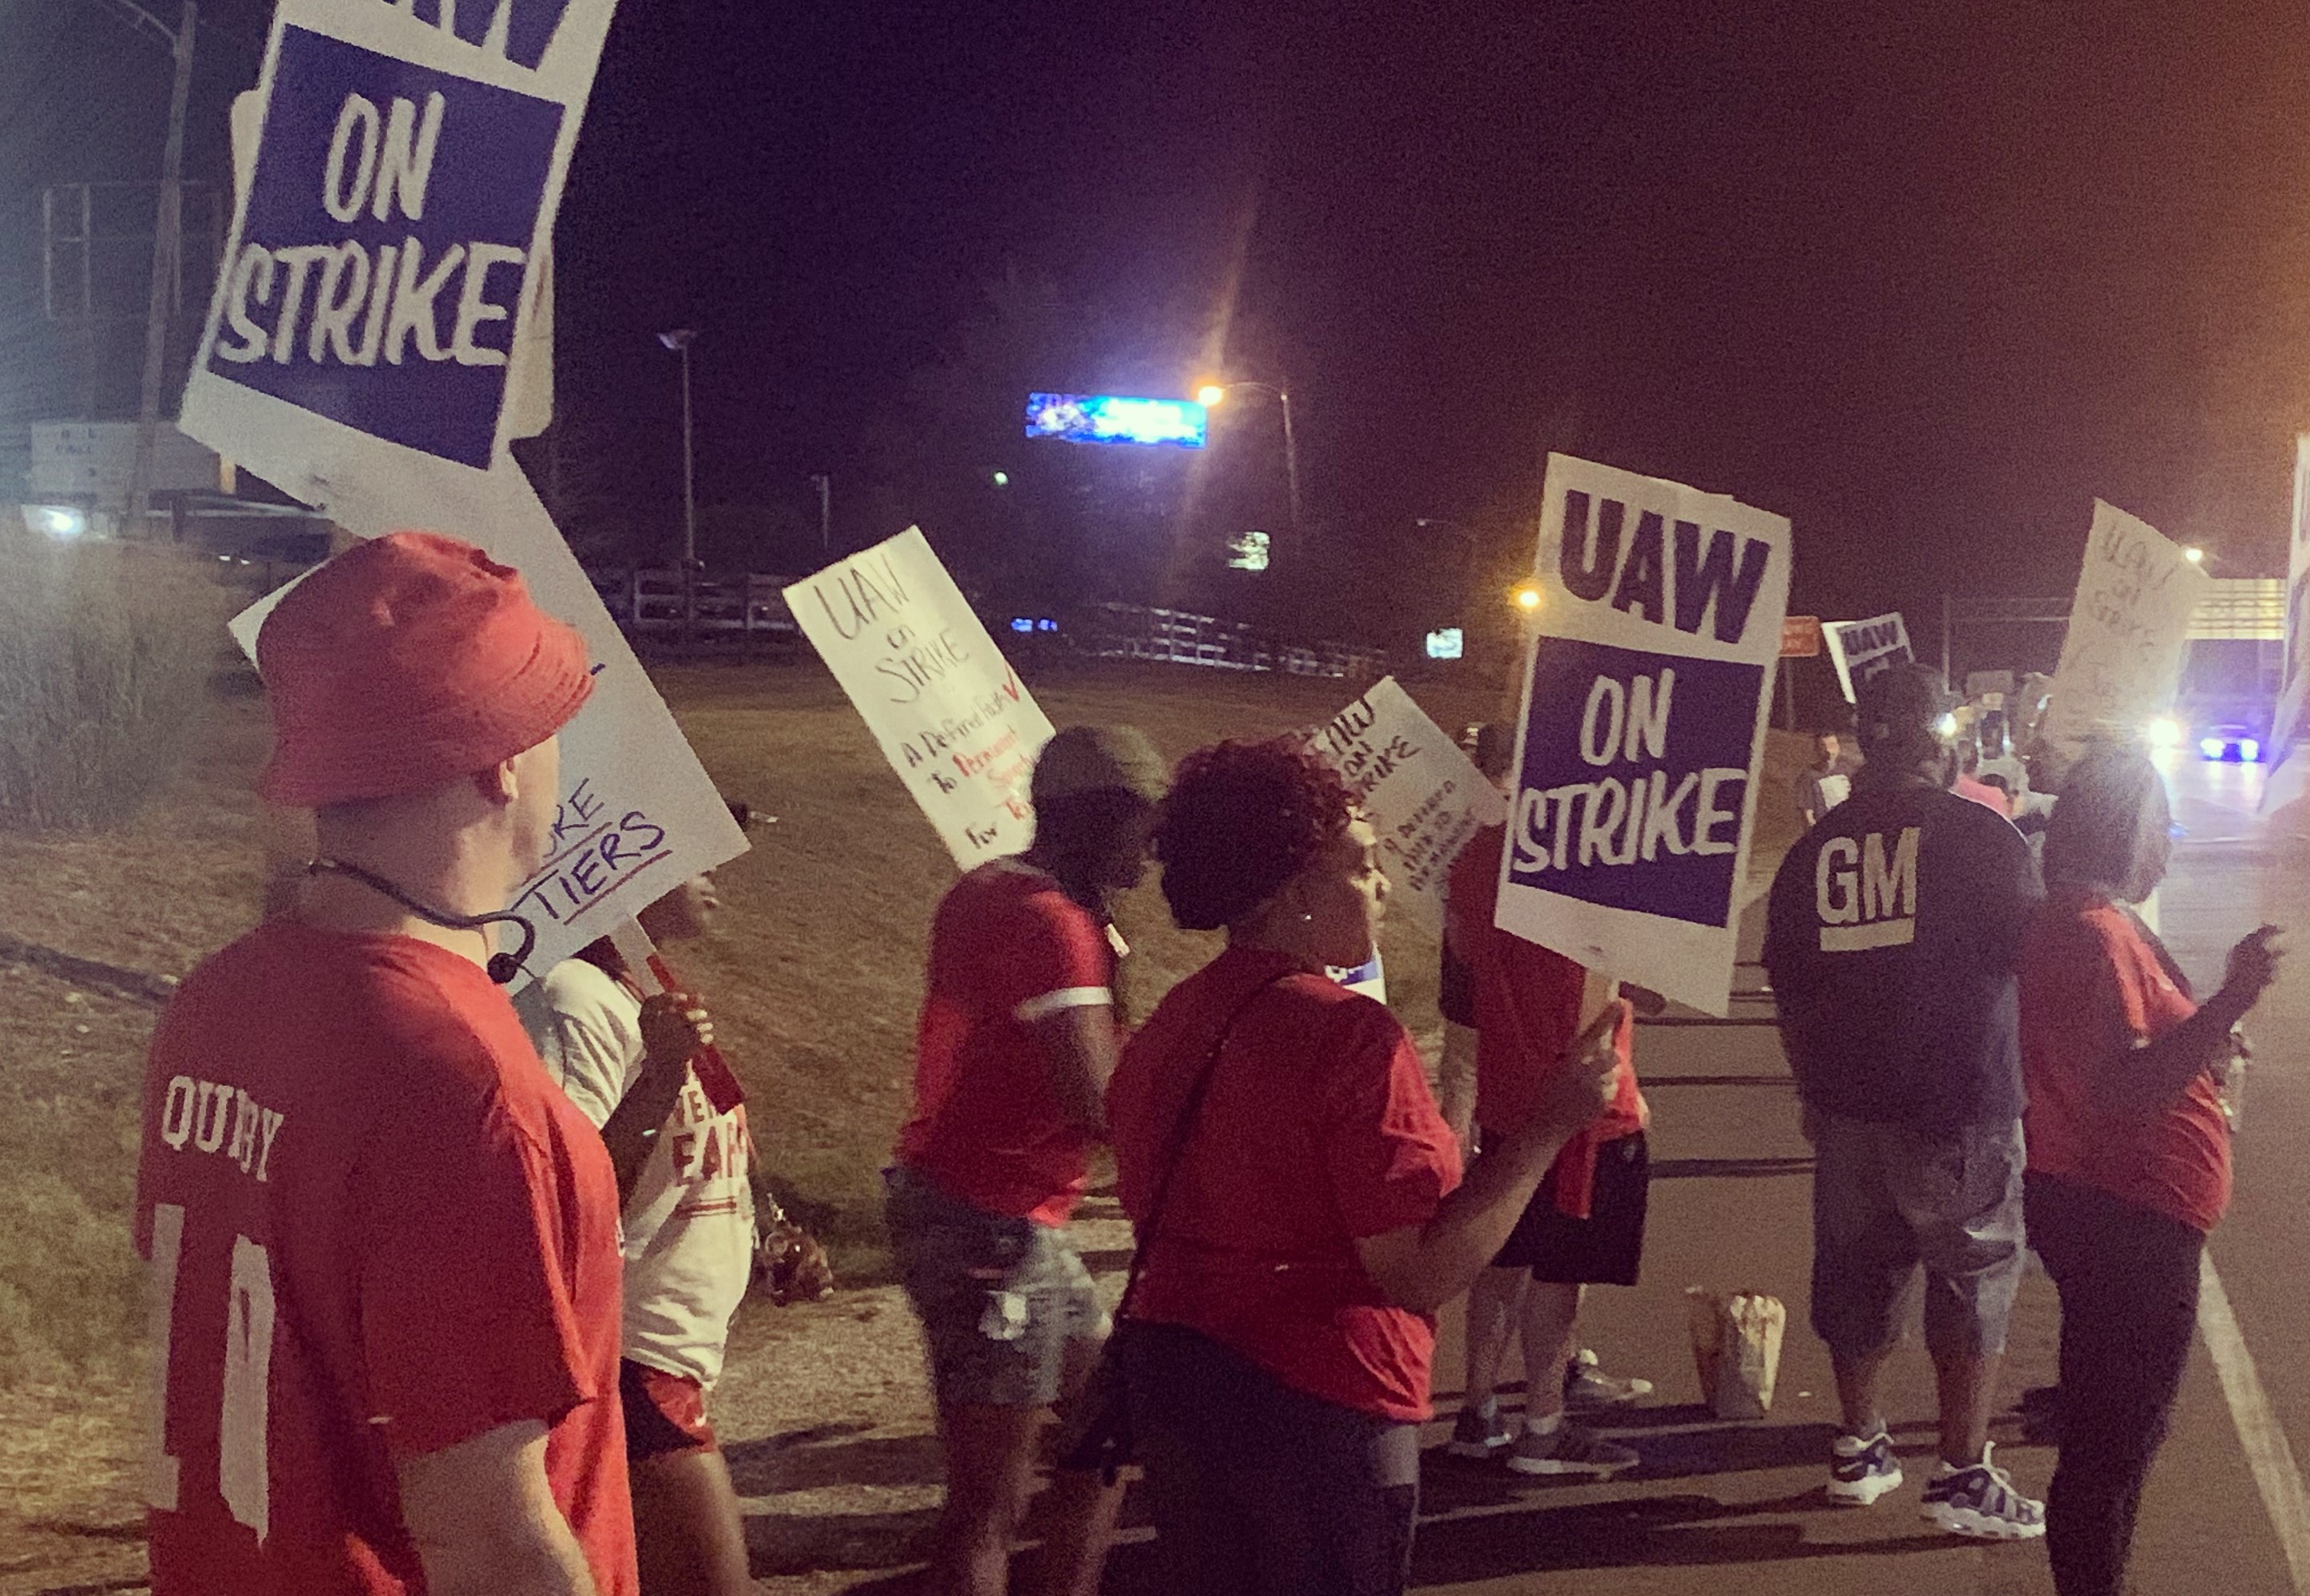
1527	1013
376	1229
2093	985
1008	948
1317	1131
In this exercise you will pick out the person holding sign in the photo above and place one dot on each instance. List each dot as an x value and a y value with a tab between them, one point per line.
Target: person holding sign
645	1070
2129	1123
1017	1041
1296	1197
383	1248
1891	939
1584	1227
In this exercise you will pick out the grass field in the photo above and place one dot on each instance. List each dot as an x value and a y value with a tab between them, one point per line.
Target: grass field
815	979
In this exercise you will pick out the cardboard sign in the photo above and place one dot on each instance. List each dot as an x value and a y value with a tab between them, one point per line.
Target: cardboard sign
952	715
1861	649
2121	659
398	169
1801	637
1643	730
384	284
1420	791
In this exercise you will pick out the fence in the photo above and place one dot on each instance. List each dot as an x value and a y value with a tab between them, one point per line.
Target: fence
750	614
743	614
1175	637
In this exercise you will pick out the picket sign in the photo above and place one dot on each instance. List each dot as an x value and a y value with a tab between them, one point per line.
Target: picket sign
1418	787
1863	649
950	714
2294	679
2122	658
1642	732
381	332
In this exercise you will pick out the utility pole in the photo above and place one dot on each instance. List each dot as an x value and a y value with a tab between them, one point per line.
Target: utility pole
167	233
824	483
679	341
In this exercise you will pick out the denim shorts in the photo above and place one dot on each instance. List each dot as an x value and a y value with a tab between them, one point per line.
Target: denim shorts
1009	1312
1887	1198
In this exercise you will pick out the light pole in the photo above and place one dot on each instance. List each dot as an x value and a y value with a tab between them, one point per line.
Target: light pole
824	482
679	341
1213	394
168	229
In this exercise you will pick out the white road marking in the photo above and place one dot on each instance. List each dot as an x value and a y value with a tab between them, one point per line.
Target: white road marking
2267	1451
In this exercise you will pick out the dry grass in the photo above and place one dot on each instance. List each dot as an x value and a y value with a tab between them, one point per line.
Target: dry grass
816	980
105	650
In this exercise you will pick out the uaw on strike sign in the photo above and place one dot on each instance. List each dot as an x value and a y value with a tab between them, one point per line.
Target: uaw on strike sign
378	335
1644	727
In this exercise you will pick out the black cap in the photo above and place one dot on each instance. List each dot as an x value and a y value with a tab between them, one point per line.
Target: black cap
1902	703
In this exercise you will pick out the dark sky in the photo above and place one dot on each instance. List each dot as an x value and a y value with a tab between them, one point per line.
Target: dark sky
1926	284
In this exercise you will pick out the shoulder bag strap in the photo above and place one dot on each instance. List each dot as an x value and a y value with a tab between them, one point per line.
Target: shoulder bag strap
1182	1130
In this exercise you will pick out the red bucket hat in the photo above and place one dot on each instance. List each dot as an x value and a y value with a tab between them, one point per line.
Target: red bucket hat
405	663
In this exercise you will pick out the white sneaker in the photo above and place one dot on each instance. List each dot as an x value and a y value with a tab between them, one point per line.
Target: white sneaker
1981	1504
1587	1386
1860	1471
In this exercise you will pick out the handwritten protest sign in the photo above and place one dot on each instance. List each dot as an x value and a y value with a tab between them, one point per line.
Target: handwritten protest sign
1421	792
1862	649
950	713
1643	728
2122	660
376	338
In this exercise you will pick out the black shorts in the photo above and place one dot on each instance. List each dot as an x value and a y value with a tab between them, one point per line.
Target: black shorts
1604	1249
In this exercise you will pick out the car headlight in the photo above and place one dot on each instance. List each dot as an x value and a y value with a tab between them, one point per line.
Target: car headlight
2164	731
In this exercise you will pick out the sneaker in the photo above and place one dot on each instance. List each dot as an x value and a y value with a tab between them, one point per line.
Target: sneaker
1569	1449
1980	1503
1862	1471
1480	1432
1588	1385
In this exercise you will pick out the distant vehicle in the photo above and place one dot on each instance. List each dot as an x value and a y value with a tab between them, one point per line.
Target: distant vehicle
2230	743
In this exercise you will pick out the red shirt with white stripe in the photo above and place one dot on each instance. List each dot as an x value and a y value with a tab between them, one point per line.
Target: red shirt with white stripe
376	1230
1008	946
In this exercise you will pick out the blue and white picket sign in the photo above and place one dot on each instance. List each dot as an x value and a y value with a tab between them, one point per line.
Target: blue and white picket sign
1646	690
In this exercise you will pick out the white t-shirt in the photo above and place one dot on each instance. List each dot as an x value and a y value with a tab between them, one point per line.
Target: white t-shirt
689	1224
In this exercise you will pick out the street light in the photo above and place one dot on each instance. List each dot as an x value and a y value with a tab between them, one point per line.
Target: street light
1211	394
1526	595
2194	555
679	341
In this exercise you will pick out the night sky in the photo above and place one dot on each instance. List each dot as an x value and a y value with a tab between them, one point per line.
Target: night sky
1926	284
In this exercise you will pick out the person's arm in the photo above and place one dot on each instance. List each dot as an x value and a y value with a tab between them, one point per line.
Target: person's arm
675	1026
2148	1076
1078	1043
484	1521
1422	1267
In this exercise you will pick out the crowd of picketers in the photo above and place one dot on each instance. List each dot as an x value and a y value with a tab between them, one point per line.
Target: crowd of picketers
443	1280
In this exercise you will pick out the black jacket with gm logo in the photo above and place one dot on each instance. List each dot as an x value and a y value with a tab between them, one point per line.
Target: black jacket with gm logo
1891	939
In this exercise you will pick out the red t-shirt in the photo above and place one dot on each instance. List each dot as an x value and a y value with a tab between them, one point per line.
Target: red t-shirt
376	1229
1318	1130
1527	1014
1008	946
2092	985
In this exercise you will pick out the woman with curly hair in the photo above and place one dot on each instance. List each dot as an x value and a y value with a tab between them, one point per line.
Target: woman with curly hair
1297	1196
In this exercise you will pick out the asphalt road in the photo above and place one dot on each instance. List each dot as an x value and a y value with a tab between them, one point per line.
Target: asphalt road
1734	1508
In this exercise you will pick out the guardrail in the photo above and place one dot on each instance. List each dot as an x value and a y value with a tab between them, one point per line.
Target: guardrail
1178	637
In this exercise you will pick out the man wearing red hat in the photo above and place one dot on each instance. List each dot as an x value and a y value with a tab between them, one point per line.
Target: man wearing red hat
383	1247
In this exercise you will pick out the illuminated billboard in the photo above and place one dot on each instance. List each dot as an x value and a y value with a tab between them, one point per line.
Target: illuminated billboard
1112	418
